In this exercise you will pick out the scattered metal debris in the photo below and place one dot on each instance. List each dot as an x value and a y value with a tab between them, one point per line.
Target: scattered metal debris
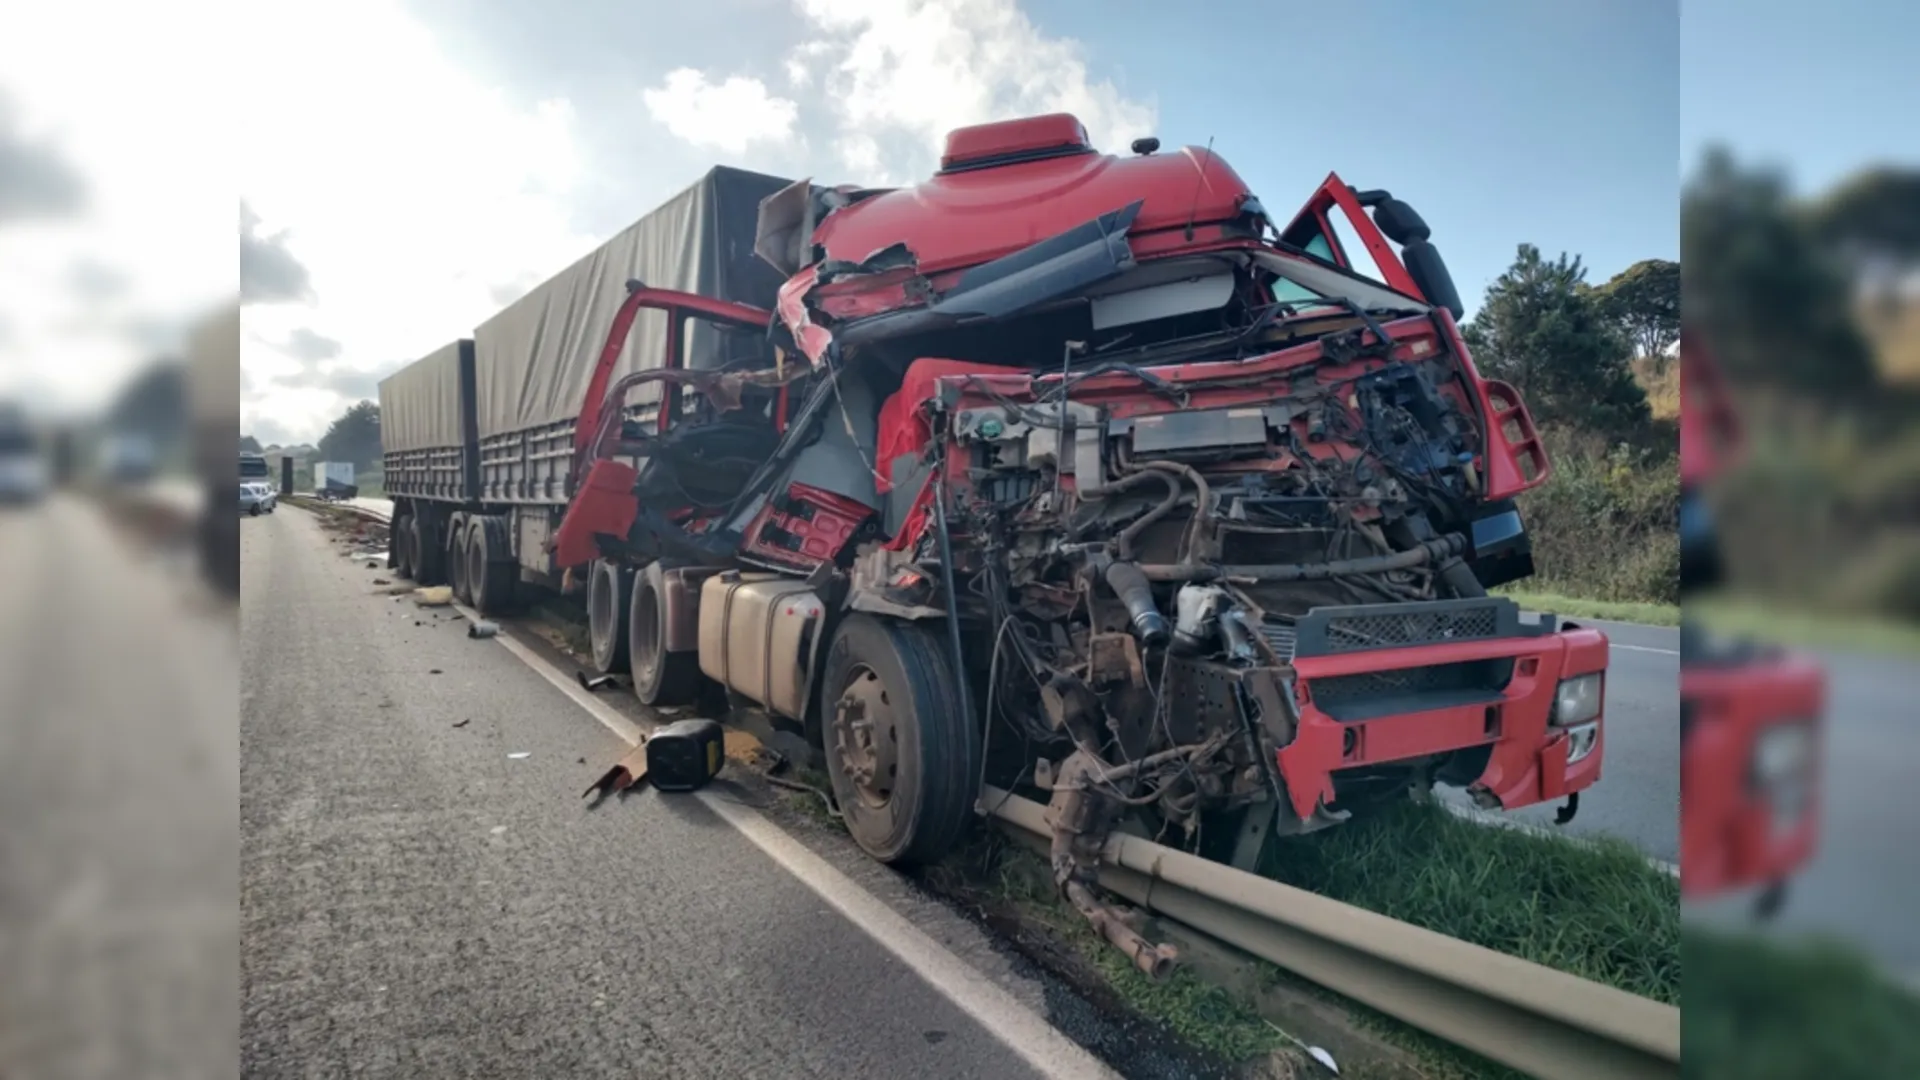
1314	1052
433	596
593	683
463	723
630	771
482	629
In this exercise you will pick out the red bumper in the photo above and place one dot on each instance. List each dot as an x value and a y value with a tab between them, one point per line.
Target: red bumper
1732	832
1527	761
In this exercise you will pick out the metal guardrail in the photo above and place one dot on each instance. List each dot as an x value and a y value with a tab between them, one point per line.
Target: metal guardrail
1543	1022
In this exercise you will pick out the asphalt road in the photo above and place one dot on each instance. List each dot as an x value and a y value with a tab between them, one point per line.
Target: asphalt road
118	784
1638	796
423	892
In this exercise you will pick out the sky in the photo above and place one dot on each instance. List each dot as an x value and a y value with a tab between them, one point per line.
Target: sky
406	167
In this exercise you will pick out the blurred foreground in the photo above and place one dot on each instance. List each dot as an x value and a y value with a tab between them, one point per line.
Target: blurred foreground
118	788
1802	958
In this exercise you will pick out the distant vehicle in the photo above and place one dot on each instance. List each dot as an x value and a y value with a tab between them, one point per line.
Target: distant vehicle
257	497
127	459
24	470
254	467
333	480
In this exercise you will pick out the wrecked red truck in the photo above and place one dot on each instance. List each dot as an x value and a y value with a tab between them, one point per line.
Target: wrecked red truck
1752	716
1075	473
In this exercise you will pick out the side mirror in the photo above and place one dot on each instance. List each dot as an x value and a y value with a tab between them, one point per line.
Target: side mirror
1429	272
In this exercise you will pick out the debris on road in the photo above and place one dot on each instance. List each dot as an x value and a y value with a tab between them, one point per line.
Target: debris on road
594	683
433	671
630	771
482	629
380	580
433	596
463	723
519	754
1314	1052
685	754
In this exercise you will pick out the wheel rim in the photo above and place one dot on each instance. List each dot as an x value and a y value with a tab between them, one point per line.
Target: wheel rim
866	732
645	634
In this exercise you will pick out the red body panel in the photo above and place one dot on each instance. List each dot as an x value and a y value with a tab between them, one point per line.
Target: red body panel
1529	758
603	505
962	219
1728	837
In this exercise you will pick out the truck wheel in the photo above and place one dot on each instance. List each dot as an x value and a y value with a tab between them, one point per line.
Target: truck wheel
458	537
904	761
659	677
398	533
423	553
607	595
491	571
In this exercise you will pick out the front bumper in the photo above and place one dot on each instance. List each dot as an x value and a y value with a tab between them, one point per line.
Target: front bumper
1496	699
1736	829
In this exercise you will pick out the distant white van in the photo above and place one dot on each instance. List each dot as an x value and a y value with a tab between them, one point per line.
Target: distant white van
25	473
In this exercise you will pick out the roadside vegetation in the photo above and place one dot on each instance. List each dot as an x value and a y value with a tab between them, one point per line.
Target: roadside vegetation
1596	368
1598	910
1763	1011
1807	302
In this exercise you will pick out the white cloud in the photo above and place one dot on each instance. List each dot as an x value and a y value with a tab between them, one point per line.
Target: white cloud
155	148
408	189
727	116
920	68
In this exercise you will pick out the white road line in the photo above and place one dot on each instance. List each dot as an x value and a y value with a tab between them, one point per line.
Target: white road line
1023	1031
1643	648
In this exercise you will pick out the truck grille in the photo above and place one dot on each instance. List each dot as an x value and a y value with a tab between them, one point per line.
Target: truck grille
1334	631
1369	694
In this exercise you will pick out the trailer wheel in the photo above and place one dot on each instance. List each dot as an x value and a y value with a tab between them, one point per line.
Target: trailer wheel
423	553
457	542
904	761
398	533
659	677
491	571
607	596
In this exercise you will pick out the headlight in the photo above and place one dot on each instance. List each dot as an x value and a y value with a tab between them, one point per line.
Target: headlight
1577	700
1782	753
1581	741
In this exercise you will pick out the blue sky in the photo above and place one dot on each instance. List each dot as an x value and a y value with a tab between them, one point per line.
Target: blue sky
1501	122
1821	91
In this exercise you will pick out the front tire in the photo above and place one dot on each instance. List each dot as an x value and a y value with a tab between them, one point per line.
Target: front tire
903	758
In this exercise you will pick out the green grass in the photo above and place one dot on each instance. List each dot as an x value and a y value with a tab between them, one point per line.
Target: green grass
1598	911
1766	621
1618	611
1760	1011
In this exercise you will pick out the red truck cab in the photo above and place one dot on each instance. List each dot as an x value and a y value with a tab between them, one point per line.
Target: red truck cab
1082	465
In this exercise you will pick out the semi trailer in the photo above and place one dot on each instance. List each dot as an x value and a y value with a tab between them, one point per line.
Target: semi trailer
1076	473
